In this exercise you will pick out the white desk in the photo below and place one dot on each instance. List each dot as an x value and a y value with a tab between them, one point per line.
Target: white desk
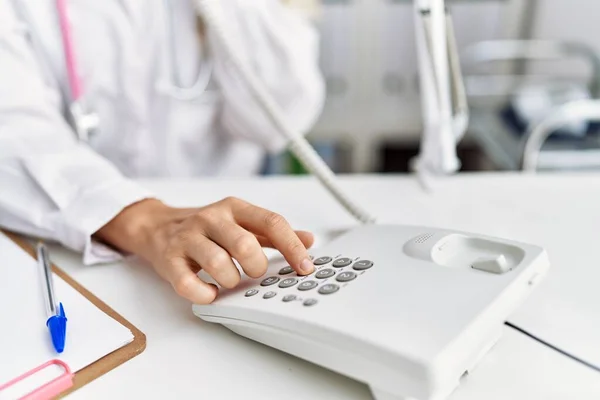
187	358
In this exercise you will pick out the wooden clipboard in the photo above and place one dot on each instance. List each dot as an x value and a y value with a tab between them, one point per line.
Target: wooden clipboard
110	361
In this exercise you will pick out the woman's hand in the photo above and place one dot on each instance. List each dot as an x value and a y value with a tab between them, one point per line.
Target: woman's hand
179	242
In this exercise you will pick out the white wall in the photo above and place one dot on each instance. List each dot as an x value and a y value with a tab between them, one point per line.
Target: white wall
571	20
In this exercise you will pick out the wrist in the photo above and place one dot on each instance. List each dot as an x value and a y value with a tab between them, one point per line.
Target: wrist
131	229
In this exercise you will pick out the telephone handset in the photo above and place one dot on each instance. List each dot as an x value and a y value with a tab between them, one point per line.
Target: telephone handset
408	310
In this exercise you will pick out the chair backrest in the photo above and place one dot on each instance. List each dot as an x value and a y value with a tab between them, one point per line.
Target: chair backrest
575	111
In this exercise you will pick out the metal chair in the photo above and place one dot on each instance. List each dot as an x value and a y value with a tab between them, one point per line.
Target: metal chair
575	111
487	93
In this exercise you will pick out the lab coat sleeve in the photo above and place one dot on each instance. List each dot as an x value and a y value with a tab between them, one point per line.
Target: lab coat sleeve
51	186
281	46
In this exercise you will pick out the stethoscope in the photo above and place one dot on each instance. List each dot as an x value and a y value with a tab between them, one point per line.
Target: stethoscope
80	116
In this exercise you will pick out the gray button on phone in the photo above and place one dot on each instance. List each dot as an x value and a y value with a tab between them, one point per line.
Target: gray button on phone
286	283
286	270
269	295
329	288
289	297
342	262
322	260
310	302
362	265
307	285
251	292
345	276
325	273
269	281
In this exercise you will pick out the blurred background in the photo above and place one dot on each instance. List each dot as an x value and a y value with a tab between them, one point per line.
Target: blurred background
528	65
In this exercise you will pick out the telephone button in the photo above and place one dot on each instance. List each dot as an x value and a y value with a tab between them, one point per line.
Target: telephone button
322	260
269	281
346	276
269	295
325	273
342	262
329	288
251	292
286	270
362	265
310	302
288	282
494	264
289	297
307	285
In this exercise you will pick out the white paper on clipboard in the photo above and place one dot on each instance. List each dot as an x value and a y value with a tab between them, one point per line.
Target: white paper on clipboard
26	343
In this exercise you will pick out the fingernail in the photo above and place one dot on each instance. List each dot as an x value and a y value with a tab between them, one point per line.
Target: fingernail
307	266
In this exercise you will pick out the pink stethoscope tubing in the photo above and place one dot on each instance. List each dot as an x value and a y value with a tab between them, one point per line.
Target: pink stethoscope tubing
75	86
70	61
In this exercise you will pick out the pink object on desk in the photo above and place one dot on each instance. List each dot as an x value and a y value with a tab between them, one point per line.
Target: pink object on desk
48	390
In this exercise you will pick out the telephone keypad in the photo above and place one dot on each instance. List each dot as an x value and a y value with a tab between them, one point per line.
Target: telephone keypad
317	279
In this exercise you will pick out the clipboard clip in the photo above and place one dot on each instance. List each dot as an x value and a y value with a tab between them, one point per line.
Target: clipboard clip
50	389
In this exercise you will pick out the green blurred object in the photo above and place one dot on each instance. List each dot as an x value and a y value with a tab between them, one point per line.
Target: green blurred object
334	153
296	167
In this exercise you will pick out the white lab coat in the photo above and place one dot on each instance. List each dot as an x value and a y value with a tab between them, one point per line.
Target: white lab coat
54	187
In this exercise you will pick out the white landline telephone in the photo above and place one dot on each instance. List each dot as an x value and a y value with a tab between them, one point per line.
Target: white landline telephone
407	310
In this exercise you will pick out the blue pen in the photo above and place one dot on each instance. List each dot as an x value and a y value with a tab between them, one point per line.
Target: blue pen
57	321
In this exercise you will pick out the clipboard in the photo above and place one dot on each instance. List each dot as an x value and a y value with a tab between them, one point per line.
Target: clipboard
71	381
